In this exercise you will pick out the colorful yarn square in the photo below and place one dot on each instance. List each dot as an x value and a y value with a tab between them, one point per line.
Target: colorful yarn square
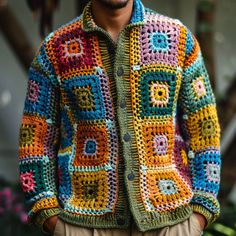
85	93
159	44
206	174
203	128
197	87
32	136
76	50
33	182
41	96
166	190
158	141
92	145
157	93
91	192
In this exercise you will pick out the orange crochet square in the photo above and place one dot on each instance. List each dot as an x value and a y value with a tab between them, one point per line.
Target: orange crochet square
92	148
167	190
158	141
203	127
32	135
90	191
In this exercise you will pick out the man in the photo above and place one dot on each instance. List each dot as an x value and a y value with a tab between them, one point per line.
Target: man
120	134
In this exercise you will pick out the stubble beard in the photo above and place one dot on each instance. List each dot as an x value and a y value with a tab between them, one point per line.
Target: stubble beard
110	4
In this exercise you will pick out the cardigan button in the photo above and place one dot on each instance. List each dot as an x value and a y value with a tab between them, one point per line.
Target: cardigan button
122	104
120	71
126	137
120	221
191	154
131	176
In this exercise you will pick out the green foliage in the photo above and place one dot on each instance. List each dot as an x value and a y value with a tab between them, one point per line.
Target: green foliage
225	225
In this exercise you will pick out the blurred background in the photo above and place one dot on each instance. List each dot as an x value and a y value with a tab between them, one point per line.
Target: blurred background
21	30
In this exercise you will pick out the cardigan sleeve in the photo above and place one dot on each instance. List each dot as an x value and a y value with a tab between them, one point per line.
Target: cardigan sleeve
39	140
202	132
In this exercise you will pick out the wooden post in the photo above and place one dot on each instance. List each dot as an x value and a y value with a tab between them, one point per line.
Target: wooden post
205	34
15	36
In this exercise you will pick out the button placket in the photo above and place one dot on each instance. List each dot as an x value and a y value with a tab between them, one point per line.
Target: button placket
120	76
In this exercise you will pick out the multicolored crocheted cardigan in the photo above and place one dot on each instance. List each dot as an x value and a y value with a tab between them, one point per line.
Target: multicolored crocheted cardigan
112	130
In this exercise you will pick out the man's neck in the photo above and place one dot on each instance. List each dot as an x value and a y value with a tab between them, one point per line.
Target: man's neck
112	20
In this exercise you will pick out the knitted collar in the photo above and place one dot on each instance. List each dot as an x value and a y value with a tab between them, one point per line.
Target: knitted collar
137	17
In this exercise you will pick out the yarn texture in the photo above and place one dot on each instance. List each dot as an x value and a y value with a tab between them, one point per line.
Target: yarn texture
111	130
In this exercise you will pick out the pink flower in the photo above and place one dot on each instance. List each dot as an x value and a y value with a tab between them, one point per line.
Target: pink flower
27	182
24	217
6	198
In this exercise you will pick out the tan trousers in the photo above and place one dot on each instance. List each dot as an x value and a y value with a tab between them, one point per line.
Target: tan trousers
189	227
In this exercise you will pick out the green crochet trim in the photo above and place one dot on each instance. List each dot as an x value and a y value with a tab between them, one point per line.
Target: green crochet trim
43	215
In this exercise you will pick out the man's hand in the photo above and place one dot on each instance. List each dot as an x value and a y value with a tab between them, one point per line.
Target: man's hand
202	220
50	224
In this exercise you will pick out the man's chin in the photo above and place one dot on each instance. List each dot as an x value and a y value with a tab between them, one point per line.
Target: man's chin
113	4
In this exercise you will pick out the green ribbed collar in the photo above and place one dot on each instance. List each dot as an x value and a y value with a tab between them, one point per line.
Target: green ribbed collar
137	17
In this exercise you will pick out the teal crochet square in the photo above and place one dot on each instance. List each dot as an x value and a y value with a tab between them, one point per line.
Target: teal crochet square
157	93
33	182
196	89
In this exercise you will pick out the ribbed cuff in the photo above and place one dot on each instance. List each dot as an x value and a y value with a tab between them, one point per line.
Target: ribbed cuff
43	215
210	217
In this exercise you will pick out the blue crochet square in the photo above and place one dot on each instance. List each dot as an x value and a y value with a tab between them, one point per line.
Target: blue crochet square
84	92
206	172
41	96
157	93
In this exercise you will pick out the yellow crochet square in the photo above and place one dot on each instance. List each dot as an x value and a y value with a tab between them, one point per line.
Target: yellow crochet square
90	190
167	190
204	128
158	143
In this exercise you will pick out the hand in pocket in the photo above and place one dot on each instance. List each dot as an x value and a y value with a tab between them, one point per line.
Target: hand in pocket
50	224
